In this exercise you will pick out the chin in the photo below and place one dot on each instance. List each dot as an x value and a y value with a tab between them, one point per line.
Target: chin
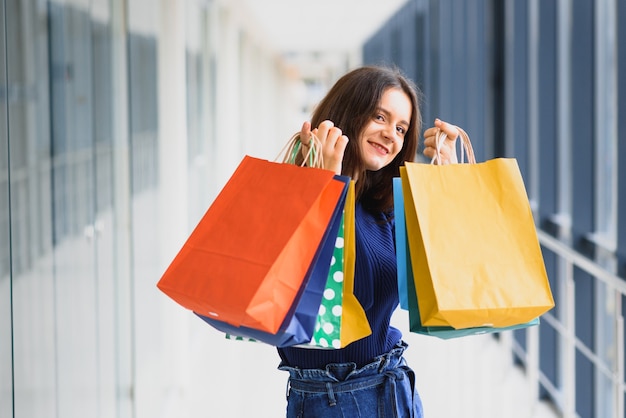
375	167
376	163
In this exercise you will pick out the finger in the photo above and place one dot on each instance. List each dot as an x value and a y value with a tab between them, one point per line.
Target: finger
429	142
429	152
323	130
305	133
450	130
342	143
333	156
332	137
432	142
432	131
444	157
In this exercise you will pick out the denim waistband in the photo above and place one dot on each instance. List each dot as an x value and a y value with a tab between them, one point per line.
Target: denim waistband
341	372
345	377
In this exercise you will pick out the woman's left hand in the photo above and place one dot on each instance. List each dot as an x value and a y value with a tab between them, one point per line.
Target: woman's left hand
448	148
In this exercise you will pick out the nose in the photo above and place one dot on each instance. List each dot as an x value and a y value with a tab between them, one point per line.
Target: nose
390	133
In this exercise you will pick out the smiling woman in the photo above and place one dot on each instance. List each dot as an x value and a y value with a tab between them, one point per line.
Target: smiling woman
368	125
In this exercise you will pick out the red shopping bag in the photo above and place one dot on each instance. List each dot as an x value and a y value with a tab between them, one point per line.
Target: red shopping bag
300	321
245	261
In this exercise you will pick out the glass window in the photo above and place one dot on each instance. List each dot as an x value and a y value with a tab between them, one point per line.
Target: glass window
605	235
143	63
606	123
73	209
33	304
196	76
6	336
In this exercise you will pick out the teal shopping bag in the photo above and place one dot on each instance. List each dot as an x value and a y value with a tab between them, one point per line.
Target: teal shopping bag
401	243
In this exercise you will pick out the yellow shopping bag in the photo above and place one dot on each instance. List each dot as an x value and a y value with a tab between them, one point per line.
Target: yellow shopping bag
354	323
341	319
474	248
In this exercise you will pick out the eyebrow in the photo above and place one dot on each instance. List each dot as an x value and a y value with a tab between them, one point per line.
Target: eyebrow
387	113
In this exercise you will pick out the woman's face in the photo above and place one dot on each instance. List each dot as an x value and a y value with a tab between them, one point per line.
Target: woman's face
383	136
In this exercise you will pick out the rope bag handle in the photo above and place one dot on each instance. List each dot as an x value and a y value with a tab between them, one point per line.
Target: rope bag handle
313	156
466	147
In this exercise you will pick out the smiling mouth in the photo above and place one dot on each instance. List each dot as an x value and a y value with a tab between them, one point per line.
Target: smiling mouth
379	148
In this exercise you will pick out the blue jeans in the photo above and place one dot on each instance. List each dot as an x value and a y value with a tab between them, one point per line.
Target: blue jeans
384	388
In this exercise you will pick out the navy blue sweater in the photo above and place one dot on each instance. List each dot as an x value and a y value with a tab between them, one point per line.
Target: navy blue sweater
375	286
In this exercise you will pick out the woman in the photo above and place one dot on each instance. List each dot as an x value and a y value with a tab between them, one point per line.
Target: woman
369	125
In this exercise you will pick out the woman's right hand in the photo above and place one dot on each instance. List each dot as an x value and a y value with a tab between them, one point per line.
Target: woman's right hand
333	143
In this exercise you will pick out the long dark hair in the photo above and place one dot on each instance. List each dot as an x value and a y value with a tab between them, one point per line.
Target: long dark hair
351	104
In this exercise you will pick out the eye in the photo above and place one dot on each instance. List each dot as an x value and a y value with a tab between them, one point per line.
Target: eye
401	130
380	117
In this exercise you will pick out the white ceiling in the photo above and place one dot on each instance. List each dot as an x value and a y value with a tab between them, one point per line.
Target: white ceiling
304	26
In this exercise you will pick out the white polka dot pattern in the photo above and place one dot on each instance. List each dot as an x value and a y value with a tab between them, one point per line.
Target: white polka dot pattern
328	325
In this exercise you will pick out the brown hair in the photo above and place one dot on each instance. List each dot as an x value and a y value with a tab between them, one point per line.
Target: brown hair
350	104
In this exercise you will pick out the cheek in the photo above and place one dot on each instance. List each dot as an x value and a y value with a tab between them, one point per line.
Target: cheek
396	151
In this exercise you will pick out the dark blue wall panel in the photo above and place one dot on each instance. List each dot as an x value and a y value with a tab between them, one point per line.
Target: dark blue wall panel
518	72
582	116
621	139
547	110
476	77
585	302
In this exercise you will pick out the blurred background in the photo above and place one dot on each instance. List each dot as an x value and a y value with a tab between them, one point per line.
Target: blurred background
120	121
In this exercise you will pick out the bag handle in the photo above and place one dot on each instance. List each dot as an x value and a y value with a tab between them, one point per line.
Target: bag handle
466	147
313	156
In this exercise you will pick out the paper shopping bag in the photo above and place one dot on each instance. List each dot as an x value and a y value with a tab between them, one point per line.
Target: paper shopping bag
447	332
407	283
474	249
342	319
245	261
299	323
